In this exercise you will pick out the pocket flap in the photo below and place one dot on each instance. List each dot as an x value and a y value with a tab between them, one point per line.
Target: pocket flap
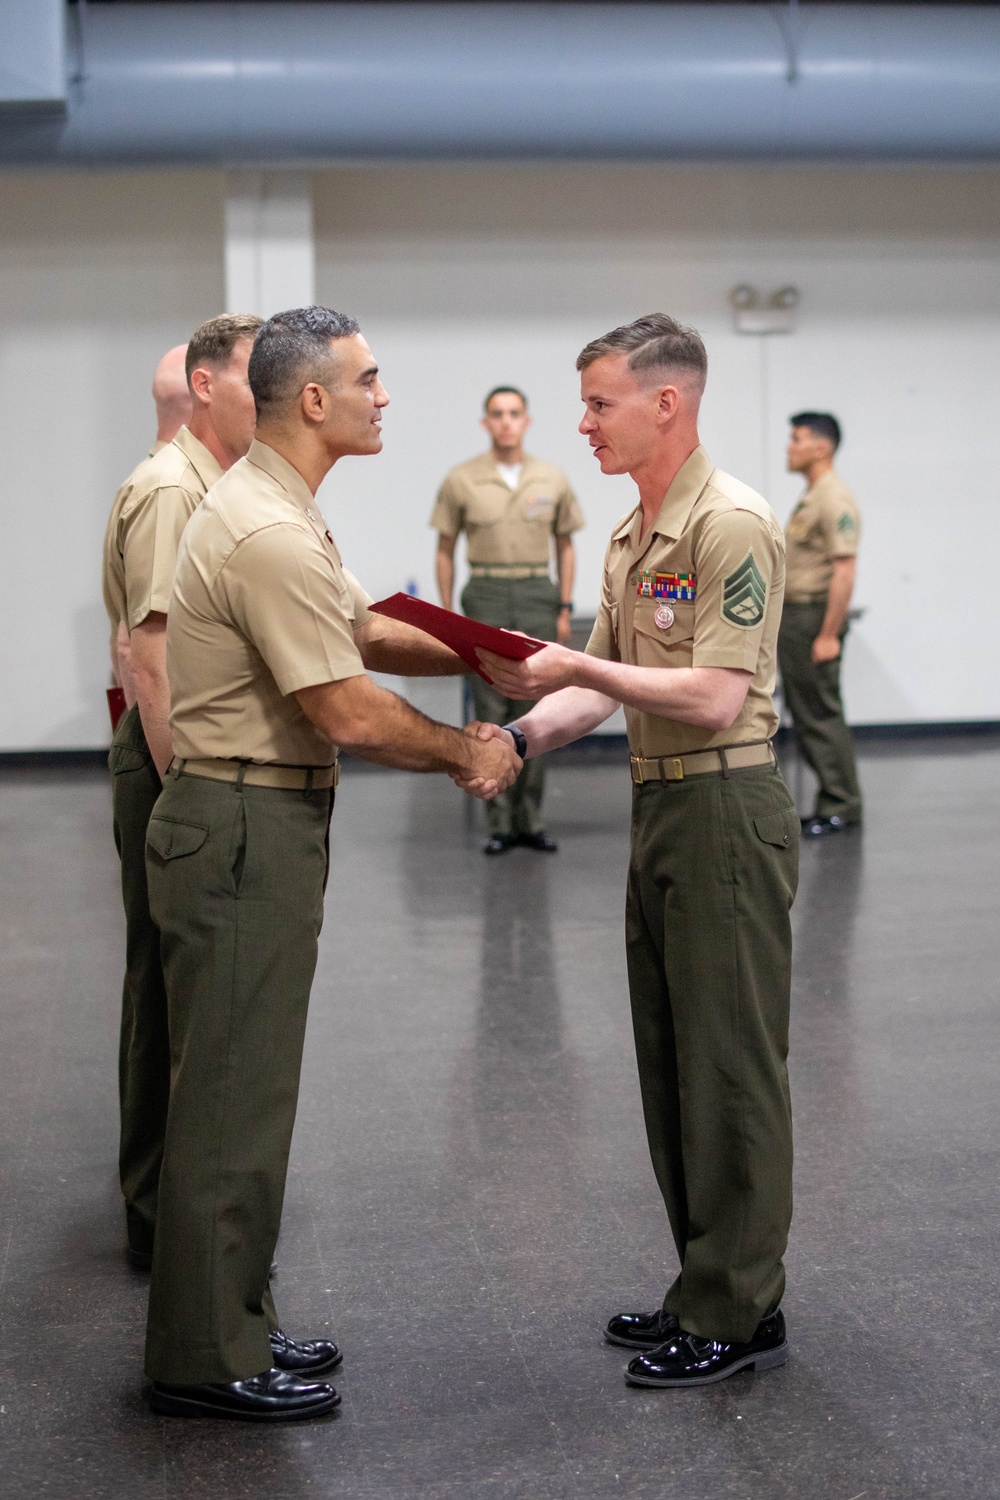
170	839
777	828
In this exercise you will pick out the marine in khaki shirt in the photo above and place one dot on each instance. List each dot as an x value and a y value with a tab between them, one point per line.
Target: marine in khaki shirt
507	527
269	645
515	511
262	606
824	525
822	541
702	588
685	639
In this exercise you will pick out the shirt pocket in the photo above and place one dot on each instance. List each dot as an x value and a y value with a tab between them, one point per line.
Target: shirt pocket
539	509
656	646
487	506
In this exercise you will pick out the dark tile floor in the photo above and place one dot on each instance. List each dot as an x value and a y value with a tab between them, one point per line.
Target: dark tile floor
470	1195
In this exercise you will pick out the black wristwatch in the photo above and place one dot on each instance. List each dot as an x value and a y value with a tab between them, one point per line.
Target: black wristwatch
520	743
567	604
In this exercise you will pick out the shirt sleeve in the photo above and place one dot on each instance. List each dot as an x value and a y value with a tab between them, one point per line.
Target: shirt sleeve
361	601
603	640
152	532
448	515
569	516
295	606
841	527
739	561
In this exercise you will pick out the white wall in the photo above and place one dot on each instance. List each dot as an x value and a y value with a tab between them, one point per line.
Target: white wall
99	274
466	277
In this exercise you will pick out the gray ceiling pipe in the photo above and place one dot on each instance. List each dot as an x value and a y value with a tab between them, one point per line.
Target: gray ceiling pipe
290	84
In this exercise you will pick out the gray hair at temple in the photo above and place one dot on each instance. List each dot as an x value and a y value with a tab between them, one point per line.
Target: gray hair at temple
655	344
290	350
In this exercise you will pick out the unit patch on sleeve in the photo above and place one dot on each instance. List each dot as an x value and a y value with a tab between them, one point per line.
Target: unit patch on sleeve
847	522
743	595
677	586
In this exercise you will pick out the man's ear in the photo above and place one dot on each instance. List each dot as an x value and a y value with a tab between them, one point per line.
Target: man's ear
201	384
314	402
668	399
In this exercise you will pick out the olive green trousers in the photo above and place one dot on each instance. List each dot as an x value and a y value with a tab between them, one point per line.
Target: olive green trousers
236	877
531	605
812	694
712	876
143	1049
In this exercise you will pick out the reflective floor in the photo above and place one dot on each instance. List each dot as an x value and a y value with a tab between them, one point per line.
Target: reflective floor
470	1196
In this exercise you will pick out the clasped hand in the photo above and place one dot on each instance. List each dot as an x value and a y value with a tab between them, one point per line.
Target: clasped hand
495	762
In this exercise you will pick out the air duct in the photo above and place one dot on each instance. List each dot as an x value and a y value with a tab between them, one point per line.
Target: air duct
302	84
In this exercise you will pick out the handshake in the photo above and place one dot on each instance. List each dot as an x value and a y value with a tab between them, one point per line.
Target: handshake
493	763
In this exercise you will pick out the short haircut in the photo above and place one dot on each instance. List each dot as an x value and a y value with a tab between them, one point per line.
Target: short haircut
213	343
293	348
505	390
655	342
822	423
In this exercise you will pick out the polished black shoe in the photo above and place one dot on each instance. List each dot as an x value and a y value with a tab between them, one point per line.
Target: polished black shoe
542	841
498	843
686	1360
641	1330
304	1357
140	1260
275	1396
821	828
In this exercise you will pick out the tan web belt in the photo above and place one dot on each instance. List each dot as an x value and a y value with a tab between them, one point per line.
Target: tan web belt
507	570
701	763
283	778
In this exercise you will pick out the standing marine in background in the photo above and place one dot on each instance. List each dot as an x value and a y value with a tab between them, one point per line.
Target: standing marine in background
512	508
821	547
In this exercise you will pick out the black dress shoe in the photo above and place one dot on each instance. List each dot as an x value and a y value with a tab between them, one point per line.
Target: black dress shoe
142	1260
541	841
641	1330
819	828
498	843
275	1396
301	1357
686	1360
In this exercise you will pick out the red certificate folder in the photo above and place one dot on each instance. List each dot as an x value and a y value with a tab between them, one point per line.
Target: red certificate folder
116	706
461	634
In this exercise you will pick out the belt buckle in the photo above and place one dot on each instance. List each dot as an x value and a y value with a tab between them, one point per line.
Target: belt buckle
637	766
677	762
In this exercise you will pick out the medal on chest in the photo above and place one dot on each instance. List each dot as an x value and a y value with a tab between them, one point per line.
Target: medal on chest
669	588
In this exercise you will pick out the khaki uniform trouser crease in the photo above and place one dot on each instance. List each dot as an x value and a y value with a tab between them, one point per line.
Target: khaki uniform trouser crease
236	876
713	872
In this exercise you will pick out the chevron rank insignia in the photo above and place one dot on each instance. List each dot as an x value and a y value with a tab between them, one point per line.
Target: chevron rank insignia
743	595
847	522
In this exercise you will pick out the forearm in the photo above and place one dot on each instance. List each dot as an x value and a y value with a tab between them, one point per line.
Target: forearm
564	717
689	695
839	598
377	725
565	568
121	663
391	646
444	567
149	669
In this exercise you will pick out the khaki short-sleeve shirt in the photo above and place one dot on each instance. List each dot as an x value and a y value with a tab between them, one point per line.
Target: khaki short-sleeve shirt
702	588
262	606
144	529
505	526
824	525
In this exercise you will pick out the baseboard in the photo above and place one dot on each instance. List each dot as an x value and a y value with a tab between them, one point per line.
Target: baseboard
594	749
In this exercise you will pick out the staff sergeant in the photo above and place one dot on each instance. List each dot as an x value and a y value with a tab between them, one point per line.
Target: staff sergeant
147	518
269	640
686	639
822	541
514	509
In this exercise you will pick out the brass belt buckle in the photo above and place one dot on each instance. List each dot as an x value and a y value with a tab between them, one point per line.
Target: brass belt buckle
637	767
678	765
